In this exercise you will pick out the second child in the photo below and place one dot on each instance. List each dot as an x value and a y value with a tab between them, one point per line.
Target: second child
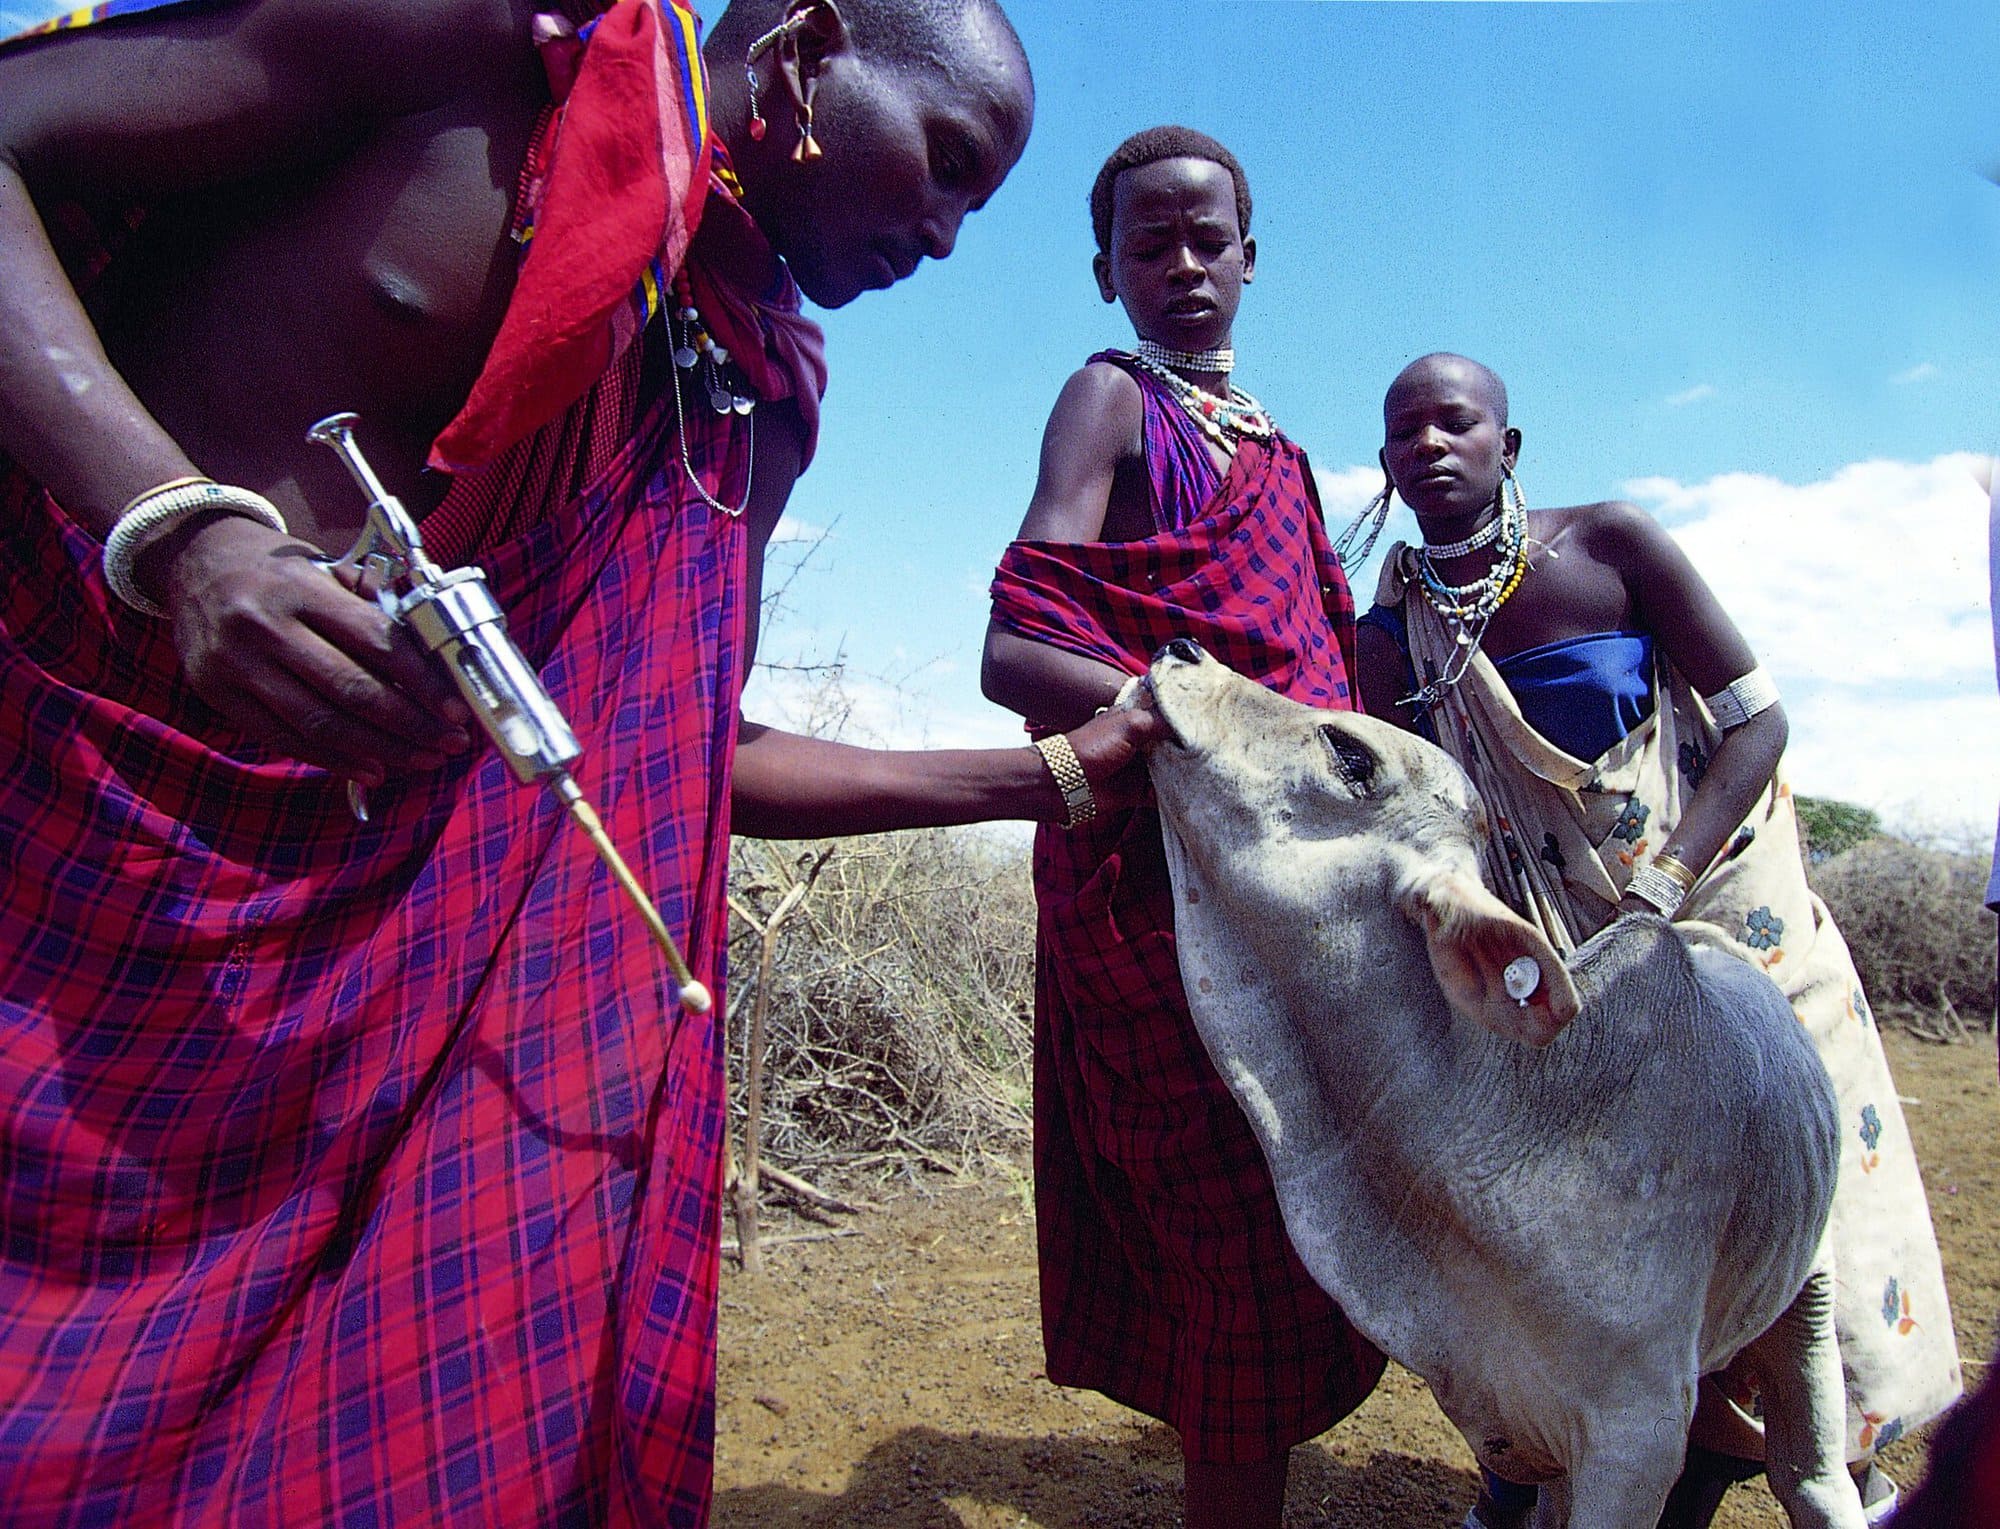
1167	506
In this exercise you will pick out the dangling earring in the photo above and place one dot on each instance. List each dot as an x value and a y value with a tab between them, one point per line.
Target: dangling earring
1344	552
784	28
807	148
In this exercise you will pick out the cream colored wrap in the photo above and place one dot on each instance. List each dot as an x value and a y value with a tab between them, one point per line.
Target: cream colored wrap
1565	837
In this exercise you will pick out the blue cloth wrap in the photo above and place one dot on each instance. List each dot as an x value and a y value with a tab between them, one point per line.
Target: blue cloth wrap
1583	694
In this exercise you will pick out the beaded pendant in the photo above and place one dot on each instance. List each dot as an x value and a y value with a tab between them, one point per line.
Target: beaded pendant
701	362
696	349
1226	421
1467	609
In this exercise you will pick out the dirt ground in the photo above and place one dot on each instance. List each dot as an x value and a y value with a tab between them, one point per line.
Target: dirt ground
894	1376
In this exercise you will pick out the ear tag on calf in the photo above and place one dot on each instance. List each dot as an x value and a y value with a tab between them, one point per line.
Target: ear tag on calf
1522	976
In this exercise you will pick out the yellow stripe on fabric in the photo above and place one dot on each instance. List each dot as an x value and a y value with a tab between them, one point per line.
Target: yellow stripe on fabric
696	76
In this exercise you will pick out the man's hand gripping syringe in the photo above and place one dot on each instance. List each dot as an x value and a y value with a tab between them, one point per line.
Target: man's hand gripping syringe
457	618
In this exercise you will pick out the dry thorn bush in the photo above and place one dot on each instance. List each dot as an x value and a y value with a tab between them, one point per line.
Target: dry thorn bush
1921	937
902	985
901	991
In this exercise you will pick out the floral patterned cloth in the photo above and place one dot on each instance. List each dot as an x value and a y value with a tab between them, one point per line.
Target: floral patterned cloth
1566	837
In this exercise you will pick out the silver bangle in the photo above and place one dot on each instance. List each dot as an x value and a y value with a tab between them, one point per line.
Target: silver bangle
1657	890
1741	699
157	511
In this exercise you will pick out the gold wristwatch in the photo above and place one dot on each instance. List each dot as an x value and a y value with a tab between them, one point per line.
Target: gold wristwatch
1078	801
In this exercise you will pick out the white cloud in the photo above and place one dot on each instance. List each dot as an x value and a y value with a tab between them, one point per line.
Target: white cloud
1346	493
1923	371
1926	764
1695	394
933	710
1864	593
1865	596
792	529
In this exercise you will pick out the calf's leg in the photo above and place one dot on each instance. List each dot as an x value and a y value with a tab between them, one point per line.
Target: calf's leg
1805	1411
1621	1488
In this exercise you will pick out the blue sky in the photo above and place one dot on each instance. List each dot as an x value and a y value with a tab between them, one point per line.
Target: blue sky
1735	260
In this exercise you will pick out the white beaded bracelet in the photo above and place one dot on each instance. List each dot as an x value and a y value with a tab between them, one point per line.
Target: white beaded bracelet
157	510
1656	889
1741	699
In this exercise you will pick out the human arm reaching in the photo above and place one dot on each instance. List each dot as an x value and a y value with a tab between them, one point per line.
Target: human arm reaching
793	787
787	785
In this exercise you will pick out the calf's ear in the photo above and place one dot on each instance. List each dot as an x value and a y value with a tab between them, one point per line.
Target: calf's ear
1477	943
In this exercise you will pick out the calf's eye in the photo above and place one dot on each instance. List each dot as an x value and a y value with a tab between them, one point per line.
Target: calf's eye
1351	762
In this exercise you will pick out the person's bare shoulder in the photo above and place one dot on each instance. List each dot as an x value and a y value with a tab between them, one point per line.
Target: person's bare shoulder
183	96
407	56
1101	405
1097	424
1616	532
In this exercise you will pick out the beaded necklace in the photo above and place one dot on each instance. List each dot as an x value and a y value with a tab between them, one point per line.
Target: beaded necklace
707	365
1467	609
1226	421
1218	363
1483	537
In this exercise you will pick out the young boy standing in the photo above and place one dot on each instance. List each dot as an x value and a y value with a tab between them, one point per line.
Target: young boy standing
1168	506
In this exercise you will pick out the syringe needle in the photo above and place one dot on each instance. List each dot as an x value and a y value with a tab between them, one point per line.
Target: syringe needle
694	997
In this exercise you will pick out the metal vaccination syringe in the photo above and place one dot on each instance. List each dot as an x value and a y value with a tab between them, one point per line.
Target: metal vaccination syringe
457	618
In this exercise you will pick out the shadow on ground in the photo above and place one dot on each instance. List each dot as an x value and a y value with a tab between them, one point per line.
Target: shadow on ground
923	1478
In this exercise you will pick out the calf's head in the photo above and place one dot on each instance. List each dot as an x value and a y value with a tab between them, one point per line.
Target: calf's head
1308	823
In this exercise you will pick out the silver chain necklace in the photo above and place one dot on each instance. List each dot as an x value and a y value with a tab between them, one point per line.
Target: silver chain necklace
693	349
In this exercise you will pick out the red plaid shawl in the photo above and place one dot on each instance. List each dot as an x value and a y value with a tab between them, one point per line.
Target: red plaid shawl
1167	1280
364	1175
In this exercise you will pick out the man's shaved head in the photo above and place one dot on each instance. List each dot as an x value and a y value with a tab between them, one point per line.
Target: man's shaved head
920	109
1444	365
913	33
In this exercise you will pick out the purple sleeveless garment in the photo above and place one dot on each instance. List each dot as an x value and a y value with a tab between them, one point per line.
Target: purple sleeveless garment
1181	475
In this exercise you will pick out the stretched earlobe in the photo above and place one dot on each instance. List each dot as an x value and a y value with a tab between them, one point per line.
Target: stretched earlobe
811	33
